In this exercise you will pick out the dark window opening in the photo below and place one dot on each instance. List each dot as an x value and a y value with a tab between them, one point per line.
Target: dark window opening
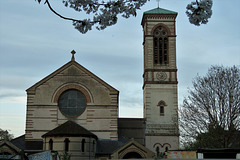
132	155
165	50
50	144
166	149
93	145
83	145
155	50
66	142
160	42
162	110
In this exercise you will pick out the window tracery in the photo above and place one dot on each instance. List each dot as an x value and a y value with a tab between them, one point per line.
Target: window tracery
160	42
72	103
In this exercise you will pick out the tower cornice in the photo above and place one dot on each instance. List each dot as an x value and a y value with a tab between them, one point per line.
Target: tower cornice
160	70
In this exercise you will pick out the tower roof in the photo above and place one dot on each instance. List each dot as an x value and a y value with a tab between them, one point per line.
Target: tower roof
159	11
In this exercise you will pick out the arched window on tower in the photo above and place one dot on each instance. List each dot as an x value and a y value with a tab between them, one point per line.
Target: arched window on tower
160	38
166	149
161	110
166	146
162	105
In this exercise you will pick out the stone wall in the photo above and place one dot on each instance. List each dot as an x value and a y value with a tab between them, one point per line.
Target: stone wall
43	114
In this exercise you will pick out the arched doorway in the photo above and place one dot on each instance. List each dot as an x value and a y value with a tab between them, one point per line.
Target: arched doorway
132	155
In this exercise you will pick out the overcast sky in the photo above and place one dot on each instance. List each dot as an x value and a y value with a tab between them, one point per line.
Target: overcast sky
34	42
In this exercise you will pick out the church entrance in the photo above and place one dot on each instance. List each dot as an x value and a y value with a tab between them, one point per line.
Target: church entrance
132	155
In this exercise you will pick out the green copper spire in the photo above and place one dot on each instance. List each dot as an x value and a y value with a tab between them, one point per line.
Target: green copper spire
160	11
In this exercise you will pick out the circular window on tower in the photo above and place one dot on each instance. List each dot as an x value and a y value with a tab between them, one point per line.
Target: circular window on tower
72	103
160	32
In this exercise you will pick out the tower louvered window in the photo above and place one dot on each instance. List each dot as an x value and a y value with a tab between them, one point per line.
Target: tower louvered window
160	38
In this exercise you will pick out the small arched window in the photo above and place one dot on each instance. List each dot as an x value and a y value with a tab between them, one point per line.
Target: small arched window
160	42
161	110
50	144
166	146
83	145
162	105
166	149
66	143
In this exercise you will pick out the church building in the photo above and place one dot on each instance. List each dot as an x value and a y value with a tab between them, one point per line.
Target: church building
74	111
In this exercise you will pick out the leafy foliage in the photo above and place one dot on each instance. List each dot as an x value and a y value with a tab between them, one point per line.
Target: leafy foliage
66	156
159	154
199	12
5	135
211	112
216	138
105	12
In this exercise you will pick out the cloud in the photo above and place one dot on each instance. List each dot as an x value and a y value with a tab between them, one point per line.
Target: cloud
12	98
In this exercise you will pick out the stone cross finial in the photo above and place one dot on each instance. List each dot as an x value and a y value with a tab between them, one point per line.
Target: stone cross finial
73	58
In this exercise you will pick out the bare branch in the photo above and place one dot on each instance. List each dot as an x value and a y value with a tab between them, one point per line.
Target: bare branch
213	105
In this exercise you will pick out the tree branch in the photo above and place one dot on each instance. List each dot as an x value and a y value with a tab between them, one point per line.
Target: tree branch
71	19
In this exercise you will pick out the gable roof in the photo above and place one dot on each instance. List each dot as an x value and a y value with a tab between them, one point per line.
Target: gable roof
70	129
131	146
159	11
10	146
19	142
107	146
32	89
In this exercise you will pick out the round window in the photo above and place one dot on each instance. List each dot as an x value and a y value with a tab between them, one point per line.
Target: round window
72	103
160	31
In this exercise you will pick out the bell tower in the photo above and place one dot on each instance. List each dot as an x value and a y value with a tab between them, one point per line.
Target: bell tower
160	93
